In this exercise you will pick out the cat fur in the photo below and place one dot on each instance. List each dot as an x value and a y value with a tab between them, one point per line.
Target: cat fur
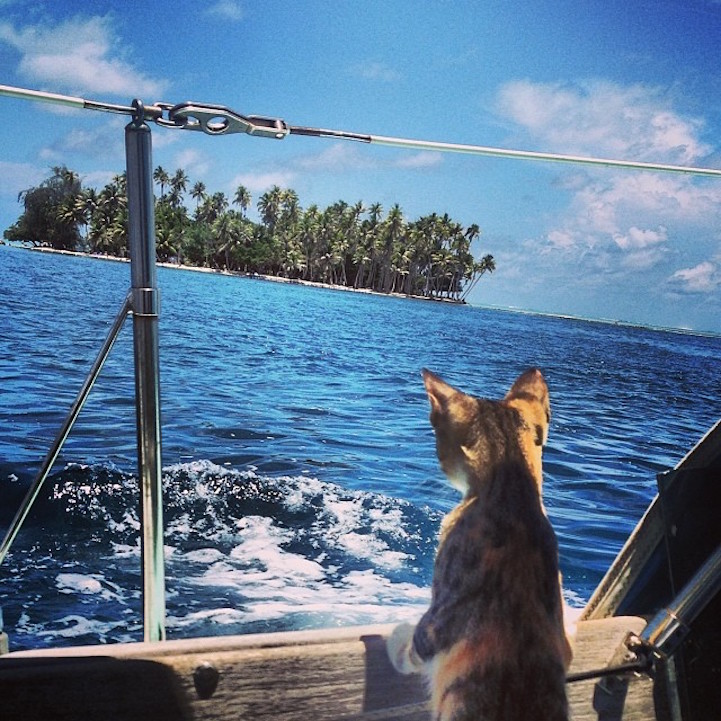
492	643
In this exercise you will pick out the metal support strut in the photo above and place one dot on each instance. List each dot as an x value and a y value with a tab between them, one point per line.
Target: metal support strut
145	306
64	431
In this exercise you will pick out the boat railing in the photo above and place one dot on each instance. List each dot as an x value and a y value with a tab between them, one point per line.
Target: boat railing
143	302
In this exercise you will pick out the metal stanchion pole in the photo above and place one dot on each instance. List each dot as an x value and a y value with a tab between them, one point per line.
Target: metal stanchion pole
145	306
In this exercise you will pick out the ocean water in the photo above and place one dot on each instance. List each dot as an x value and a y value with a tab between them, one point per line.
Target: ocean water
301	484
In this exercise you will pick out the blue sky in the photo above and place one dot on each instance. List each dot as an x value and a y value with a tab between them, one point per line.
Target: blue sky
633	80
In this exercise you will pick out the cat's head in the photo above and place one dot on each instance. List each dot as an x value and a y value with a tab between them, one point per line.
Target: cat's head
475	435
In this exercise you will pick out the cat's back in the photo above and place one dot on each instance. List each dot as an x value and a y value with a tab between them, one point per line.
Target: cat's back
496	582
498	555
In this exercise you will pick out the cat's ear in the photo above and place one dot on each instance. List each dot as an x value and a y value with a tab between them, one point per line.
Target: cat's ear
530	385
439	394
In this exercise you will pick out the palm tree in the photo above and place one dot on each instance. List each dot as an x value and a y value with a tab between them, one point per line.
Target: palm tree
472	232
48	217
370	238
486	265
107	231
242	199
197	192
288	230
336	241
269	206
414	256
393	230
66	180
228	233
178	185
161	177
165	248
212	207
77	211
353	231
308	230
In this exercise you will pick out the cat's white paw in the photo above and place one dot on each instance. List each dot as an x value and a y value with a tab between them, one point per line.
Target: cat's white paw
400	649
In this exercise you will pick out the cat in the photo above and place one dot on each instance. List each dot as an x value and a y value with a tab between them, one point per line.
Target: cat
492	643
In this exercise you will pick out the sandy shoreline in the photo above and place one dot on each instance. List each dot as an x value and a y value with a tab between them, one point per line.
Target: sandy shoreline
273	279
253	276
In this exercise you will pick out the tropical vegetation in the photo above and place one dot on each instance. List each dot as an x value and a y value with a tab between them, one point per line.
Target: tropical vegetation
349	245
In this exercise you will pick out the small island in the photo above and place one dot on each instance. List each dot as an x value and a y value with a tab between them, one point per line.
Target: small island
344	245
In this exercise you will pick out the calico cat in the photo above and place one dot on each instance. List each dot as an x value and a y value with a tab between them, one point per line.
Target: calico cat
492	642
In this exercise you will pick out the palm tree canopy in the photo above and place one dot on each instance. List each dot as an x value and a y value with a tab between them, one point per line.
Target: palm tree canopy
345	244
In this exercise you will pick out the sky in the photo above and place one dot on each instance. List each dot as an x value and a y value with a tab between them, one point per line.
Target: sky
625	79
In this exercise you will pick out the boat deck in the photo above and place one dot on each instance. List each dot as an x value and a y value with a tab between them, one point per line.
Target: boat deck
304	676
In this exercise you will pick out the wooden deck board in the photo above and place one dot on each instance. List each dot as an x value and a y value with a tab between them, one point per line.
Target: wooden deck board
303	676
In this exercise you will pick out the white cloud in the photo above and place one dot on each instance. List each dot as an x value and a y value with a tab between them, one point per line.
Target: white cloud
702	278
643	259
98	178
341	157
631	222
636	211
336	157
633	122
636	238
105	140
226	10
193	162
259	182
16	177
561	239
165	137
78	55
424	159
617	221
377	72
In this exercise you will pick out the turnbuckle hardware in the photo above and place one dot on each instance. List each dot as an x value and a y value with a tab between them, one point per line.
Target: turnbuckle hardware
219	120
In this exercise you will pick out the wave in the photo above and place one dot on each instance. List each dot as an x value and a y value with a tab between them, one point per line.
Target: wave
244	553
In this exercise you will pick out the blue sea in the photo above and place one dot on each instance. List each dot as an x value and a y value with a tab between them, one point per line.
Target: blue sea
300	479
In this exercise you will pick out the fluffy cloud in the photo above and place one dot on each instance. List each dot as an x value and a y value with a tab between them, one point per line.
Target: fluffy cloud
376	71
423	159
702	278
637	210
260	182
341	157
226	10
336	158
642	248
15	177
561	239
78	55
632	221
635	238
634	122
619	221
193	162
99	141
